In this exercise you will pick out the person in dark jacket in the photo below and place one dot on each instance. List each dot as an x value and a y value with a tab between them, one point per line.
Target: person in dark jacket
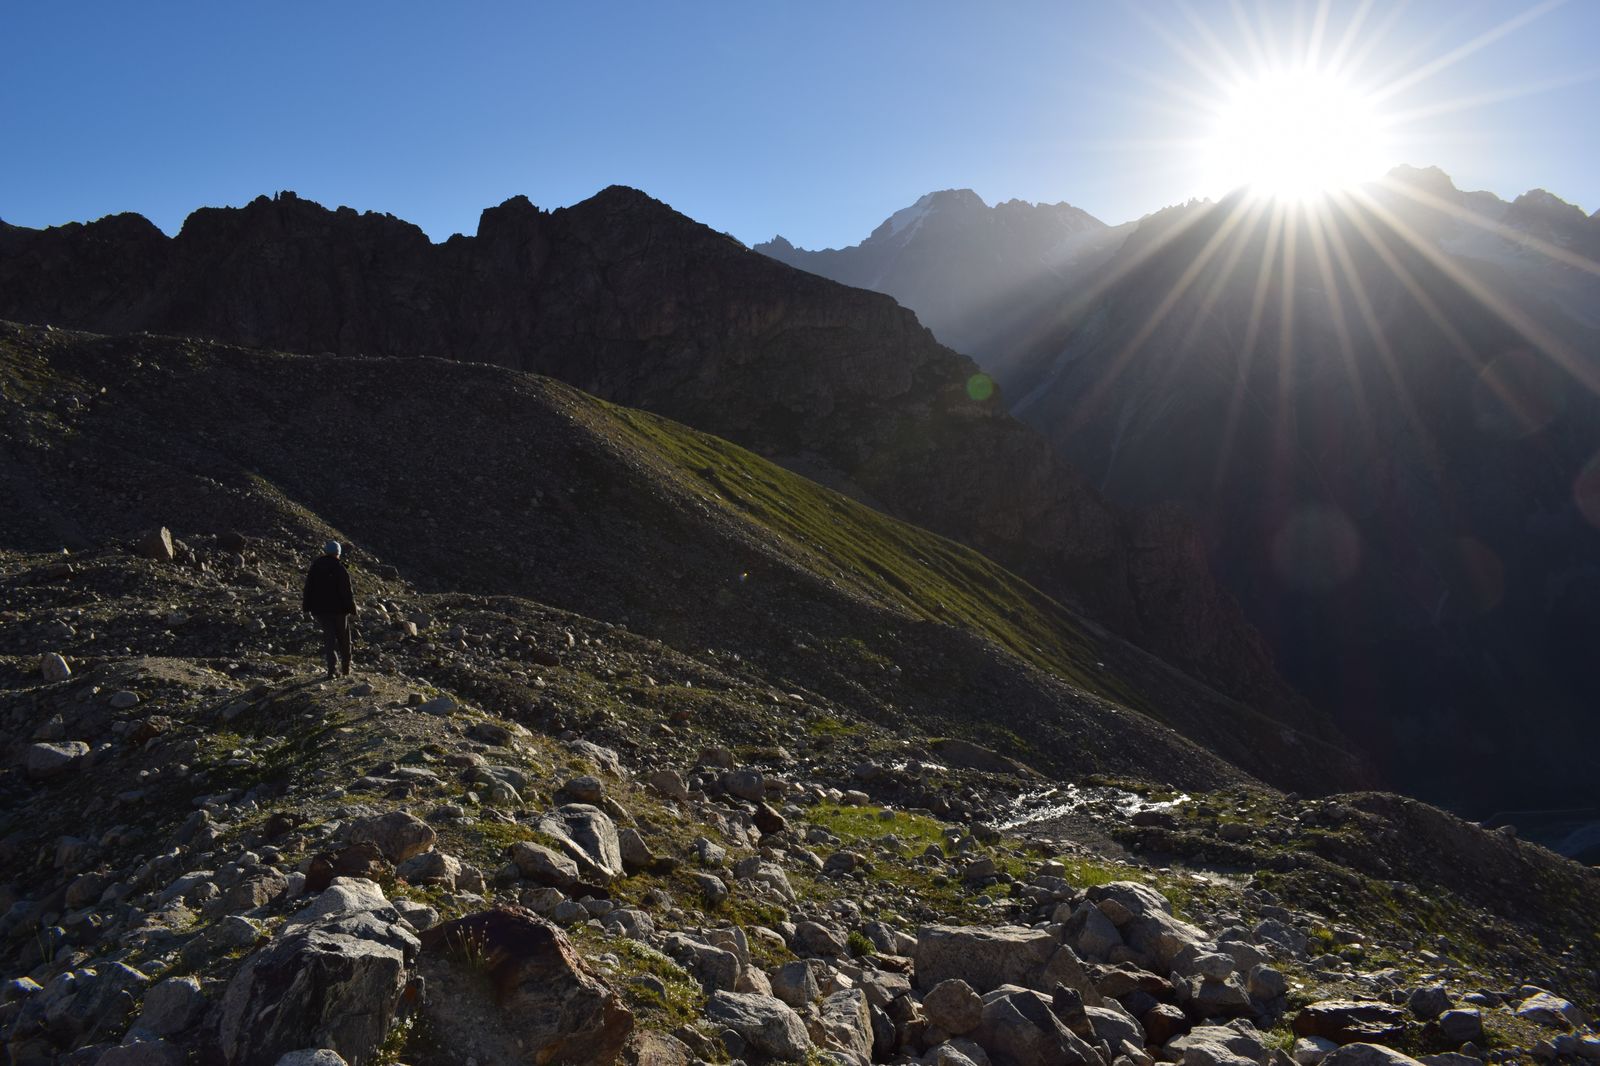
331	601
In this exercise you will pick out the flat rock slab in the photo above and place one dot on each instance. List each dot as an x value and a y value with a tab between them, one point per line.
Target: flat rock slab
1347	1021
983	957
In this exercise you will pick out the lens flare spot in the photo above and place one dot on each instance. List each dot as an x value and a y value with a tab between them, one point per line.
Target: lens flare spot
1485	575
1586	491
980	387
1517	395
1317	549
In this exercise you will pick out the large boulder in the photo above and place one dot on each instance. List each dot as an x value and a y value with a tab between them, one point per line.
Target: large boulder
1020	1029
767	1024
333	978
45	761
953	1007
1090	932
985	957
156	544
588	836
1542	1008
846	1025
171	1006
507	986
54	666
1145	921
538	863
398	835
1350	1021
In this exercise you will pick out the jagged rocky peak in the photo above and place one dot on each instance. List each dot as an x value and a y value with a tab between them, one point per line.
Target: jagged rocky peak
1429	179
1546	215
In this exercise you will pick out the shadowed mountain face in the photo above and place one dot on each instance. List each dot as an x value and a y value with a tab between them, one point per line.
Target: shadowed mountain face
631	301
492	482
1384	414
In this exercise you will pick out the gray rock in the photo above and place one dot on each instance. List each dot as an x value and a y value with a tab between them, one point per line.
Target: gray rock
1311	1050
431	868
45	761
156	544
332	978
710	853
1429	1002
54	667
635	851
1091	933
398	834
1553	1012
589	837
715	968
172	1006
1235	1038
984	957
1461	1025
669	783
312	1057
1020	1029
766	1023
586	789
1114	1026
795	984
814	938
569	912
1265	983
846	1024
953	1006
538	863
746	784
713	888
122	699
420	915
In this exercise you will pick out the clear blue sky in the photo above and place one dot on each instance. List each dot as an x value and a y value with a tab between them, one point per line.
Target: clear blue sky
813	119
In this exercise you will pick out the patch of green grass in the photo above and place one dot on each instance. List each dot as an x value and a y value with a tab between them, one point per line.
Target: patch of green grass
677	1001
826	725
856	824
1089	873
858	944
892	562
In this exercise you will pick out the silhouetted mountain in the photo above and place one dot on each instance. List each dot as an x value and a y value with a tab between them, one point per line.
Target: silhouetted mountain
627	299
980	277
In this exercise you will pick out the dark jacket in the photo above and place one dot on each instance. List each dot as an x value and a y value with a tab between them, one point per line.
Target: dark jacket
328	588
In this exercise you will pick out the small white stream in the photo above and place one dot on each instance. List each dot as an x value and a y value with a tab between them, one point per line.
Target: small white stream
1042	805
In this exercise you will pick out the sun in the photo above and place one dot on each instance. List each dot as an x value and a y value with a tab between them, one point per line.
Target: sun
1295	134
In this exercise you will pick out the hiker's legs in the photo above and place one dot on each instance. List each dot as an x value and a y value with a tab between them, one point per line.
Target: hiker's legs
344	643
331	625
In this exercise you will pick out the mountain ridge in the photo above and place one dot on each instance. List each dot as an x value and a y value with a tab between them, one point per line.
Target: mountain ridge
626	299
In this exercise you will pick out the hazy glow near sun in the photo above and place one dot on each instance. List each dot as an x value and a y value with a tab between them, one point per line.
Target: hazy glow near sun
1294	135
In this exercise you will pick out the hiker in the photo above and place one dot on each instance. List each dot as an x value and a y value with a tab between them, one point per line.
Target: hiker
330	600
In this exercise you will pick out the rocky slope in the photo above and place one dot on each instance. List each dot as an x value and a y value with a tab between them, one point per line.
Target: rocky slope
626	299
1383	416
529	832
473	478
195	821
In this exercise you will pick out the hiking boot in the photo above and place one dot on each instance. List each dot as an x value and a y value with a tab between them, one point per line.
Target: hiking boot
346	669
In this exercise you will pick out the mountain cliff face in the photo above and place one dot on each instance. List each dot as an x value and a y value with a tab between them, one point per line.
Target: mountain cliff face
984	279
1385	415
626	299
